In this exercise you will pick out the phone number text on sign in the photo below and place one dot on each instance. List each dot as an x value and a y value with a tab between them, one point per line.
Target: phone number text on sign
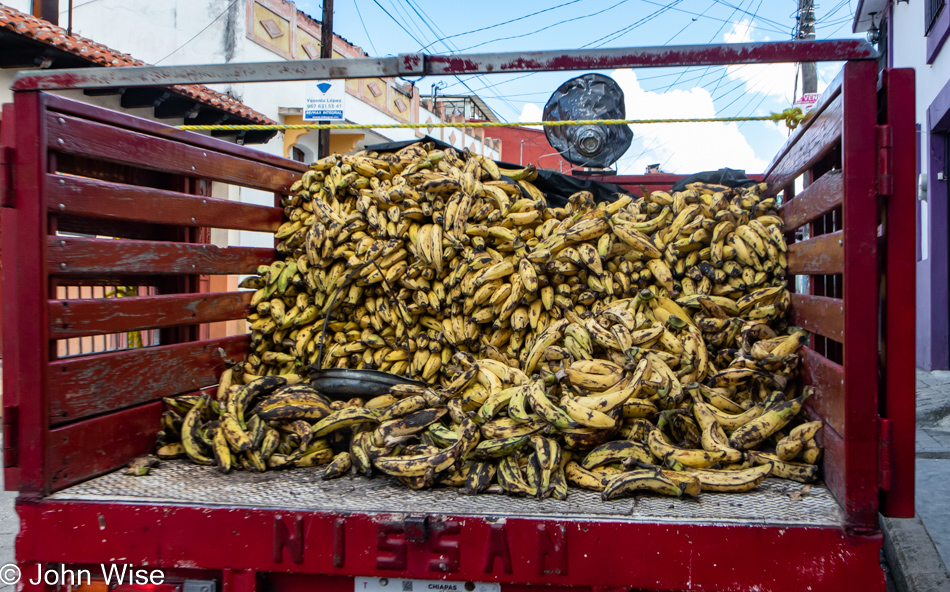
324	101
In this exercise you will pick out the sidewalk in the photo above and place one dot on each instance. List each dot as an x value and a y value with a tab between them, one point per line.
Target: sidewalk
918	550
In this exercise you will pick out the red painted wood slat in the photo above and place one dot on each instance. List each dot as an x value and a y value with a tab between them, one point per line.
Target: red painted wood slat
105	142
28	368
861	293
106	257
103	383
822	255
78	196
819	314
828	380
900	291
833	462
101	316
102	444
154	128
820	197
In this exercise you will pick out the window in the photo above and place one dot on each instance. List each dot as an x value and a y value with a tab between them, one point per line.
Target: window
932	9
297	154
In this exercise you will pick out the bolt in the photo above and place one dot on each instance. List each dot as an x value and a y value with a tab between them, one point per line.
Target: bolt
62	243
204	154
62	207
192	168
204	202
62	181
61	141
192	218
61	120
840	242
62	266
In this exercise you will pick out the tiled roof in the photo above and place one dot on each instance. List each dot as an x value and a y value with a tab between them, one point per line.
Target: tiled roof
48	33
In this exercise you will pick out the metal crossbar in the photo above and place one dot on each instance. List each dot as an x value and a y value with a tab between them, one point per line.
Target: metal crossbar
417	64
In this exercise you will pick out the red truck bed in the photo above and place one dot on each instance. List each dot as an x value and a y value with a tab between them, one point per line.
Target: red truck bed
70	422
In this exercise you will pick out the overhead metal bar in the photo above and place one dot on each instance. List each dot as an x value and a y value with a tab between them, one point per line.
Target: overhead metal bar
417	64
653	57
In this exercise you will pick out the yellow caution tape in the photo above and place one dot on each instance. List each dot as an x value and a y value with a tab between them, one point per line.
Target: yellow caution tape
792	118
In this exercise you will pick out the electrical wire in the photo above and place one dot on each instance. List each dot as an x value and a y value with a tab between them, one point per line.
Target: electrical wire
520	18
196	34
368	36
546	27
450	46
776	23
624	30
725	22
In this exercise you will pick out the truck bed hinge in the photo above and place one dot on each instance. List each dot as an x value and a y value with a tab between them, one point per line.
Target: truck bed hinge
885	170
885	453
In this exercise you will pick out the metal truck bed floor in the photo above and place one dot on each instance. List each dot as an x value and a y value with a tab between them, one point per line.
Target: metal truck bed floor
179	482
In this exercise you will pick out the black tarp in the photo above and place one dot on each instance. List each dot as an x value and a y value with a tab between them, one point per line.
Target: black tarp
556	186
728	177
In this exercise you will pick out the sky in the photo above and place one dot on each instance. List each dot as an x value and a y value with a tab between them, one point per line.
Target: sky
391	27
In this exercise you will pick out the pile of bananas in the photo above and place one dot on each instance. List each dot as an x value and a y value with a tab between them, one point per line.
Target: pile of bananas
634	345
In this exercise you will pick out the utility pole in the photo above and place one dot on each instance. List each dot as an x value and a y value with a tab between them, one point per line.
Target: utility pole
806	31
326	51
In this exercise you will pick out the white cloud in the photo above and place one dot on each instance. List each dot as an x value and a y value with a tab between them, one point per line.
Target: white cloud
681	147
777	80
741	33
531	112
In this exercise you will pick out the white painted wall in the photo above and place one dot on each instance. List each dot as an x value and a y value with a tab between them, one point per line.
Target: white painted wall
910	51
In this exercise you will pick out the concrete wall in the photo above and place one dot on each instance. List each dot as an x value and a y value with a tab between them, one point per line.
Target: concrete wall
909	49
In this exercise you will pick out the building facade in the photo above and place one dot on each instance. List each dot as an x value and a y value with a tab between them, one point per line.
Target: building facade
914	34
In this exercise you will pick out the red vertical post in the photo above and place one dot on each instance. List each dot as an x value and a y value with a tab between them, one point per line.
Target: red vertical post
30	325
860	213
900	291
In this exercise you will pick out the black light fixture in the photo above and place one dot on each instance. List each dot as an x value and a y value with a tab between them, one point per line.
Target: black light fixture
874	33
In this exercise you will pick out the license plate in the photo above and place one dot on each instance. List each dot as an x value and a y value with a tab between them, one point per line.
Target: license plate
404	585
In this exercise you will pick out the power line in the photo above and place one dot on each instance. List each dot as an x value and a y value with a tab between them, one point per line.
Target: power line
624	30
545	28
726	22
449	46
368	37
776	23
196	34
499	24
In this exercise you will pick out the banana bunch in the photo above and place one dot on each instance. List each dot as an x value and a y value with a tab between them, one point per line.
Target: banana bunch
636	345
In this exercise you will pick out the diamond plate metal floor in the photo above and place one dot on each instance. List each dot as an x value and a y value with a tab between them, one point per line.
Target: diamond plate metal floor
182	483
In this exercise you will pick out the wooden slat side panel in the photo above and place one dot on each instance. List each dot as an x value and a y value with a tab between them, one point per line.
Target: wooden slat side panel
811	145
105	257
828	380
124	120
105	142
819	314
822	255
820	197
76	196
102	444
105	382
101	316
